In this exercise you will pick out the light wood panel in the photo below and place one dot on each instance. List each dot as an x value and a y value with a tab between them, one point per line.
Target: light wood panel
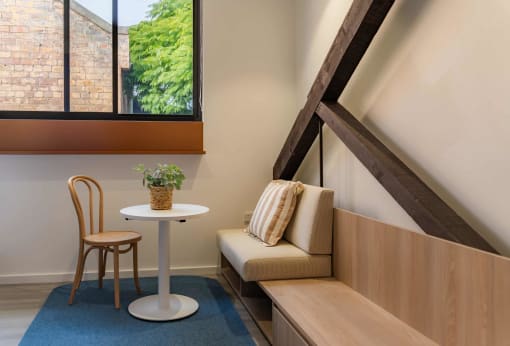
284	334
327	312
454	294
23	136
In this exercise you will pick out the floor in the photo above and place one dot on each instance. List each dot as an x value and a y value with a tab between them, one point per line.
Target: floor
20	303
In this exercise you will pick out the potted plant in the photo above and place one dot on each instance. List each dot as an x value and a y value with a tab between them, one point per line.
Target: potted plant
161	182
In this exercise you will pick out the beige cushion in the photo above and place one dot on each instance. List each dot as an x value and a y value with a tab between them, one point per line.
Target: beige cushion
256	262
274	210
311	227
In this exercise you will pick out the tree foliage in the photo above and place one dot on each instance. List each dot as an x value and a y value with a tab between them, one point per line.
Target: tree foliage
161	54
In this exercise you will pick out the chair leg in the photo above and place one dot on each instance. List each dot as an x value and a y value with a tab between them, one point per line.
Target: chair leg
100	268
104	261
116	276
135	268
78	274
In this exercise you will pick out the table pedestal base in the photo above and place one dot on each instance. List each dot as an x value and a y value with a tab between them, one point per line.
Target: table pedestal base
147	308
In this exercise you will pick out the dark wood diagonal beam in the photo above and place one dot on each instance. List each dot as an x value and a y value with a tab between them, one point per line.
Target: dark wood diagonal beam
429	211
433	215
358	29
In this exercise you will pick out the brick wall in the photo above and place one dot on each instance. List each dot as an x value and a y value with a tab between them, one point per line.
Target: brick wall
31	57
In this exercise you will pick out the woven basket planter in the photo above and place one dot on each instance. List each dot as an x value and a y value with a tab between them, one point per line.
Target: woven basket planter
161	198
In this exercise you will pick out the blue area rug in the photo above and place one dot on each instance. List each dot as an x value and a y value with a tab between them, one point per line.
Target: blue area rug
93	319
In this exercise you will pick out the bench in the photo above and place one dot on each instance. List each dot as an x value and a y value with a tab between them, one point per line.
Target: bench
288	288
304	252
388	286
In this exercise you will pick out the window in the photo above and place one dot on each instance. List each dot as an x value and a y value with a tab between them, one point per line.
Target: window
128	57
118	60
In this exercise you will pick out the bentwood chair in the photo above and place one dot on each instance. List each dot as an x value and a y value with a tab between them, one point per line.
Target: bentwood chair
104	241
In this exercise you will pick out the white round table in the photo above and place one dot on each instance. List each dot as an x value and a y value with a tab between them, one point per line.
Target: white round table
163	306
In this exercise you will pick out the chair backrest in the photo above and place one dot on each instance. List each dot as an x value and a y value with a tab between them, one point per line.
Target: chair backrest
311	227
92	186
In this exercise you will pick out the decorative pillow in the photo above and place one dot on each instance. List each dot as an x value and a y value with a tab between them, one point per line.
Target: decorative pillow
274	210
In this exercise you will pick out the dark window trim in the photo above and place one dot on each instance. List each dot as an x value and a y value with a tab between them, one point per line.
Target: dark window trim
41	115
115	53
115	115
67	54
197	59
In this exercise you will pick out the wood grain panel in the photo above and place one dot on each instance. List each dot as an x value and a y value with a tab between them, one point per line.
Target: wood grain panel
350	44
426	208
327	312
100	137
284	334
454	294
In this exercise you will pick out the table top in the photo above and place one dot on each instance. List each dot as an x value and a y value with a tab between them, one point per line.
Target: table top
178	212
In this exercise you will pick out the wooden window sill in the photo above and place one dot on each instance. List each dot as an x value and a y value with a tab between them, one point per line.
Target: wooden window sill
29	136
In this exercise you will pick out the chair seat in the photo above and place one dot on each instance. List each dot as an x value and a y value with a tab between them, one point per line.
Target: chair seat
112	238
256	262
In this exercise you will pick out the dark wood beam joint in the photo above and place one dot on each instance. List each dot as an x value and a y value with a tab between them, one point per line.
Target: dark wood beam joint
353	39
358	29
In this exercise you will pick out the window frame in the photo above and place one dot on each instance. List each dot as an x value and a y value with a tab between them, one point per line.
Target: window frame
114	115
49	132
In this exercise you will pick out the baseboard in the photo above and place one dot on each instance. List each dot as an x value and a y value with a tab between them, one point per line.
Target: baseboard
11	279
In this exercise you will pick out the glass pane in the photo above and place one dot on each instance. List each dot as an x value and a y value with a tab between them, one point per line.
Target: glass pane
91	56
31	55
156	56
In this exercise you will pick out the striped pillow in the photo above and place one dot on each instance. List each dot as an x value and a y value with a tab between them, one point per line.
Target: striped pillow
274	210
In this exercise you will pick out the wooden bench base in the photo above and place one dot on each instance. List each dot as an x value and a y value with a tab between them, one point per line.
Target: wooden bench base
256	302
390	284
318	311
326	311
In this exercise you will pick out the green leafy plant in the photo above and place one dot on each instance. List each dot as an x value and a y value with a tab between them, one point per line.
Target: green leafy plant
170	176
161	55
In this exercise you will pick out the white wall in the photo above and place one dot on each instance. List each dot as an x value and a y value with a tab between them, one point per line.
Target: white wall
434	88
249	105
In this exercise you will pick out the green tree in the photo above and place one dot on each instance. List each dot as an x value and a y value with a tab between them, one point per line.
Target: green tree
161	54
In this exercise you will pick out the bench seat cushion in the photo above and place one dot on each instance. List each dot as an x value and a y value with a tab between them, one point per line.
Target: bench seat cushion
256	262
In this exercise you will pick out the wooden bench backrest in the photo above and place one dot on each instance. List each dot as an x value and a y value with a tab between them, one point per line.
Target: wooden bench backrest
451	293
